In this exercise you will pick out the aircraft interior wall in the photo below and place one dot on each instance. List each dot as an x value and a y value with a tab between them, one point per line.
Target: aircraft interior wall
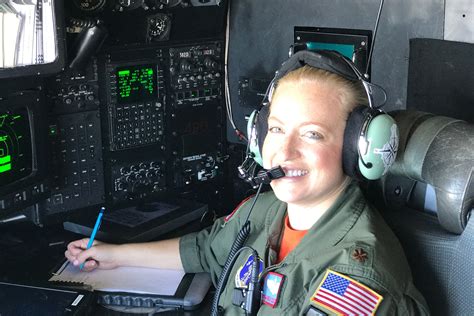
262	31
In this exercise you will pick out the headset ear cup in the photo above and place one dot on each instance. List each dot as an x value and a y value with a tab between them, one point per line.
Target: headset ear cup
261	127
350	150
257	127
370	143
382	146
252	135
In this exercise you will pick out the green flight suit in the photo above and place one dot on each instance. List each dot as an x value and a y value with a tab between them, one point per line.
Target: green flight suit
348	227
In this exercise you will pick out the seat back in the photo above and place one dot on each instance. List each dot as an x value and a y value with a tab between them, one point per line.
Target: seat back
427	198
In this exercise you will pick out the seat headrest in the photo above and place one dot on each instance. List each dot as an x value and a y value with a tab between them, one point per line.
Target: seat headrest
437	151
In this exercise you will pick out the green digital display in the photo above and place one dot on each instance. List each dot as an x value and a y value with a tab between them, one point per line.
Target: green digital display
136	83
345	49
15	146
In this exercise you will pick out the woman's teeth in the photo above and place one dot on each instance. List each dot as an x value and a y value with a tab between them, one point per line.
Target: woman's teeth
296	173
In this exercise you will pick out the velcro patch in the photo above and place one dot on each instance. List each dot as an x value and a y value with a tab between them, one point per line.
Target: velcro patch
345	296
242	277
272	288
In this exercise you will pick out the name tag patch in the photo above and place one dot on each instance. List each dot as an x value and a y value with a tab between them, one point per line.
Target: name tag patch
272	288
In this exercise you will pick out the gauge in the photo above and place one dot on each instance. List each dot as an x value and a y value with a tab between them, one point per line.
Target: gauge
89	5
130	4
159	27
170	3
161	4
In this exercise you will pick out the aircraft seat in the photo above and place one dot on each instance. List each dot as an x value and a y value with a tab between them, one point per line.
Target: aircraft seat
427	198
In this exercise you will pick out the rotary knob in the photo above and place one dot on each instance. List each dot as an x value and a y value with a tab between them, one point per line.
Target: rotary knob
185	66
210	63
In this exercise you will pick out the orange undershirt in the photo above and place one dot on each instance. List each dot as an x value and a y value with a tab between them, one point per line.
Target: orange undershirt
291	238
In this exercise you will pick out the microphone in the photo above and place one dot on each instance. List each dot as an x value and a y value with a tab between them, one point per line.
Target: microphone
248	169
267	175
368	165
362	146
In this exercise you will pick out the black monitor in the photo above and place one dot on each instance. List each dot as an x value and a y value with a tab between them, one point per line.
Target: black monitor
352	43
23	152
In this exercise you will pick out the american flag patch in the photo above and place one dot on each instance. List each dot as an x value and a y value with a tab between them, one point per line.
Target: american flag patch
345	296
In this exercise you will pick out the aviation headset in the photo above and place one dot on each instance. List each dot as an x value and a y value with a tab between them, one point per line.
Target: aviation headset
370	137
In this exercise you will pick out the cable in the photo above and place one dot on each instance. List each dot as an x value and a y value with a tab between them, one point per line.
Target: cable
253	295
254	201
230	260
375	34
234	251
87	23
228	104
369	84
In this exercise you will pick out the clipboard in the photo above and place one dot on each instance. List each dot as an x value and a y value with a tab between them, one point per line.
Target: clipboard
135	287
189	295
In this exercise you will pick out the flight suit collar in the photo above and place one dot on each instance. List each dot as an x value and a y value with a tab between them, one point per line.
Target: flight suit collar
274	226
328	231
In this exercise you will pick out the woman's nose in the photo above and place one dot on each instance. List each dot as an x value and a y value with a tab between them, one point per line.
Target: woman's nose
288	148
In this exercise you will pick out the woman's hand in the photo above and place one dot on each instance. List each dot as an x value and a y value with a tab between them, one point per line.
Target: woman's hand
100	255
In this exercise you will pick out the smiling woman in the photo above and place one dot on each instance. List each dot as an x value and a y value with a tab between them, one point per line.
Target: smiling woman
321	249
305	136
325	250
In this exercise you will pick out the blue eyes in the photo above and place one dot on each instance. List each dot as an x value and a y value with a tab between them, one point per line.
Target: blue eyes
312	135
274	130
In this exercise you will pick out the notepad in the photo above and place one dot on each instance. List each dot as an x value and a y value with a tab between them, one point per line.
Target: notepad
123	279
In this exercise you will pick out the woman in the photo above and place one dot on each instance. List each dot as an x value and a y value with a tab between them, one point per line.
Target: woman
323	250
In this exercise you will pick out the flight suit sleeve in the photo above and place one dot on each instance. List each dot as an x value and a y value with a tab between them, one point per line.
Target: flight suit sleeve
207	250
410	303
399	302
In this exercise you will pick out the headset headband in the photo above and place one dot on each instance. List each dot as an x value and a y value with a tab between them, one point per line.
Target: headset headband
368	127
331	61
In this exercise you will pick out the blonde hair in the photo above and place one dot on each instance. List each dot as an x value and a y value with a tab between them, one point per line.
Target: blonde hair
350	93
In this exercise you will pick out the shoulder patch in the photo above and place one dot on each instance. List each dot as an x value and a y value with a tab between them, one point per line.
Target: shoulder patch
345	296
271	288
242	277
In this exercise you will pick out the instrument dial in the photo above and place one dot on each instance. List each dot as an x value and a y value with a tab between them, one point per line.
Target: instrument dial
89	5
158	25
130	4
